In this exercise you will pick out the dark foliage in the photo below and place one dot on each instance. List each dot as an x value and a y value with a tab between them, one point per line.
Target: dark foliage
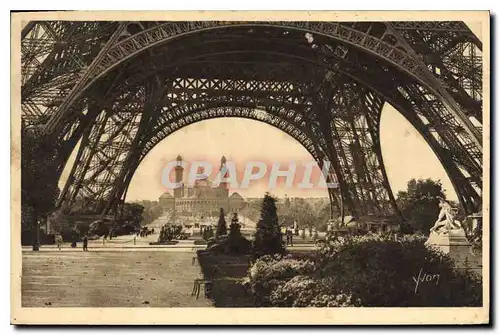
268	273
369	271
130	215
379	271
235	227
419	204
39	178
169	233
308	213
268	239
227	273
234	243
152	211
221	225
99	228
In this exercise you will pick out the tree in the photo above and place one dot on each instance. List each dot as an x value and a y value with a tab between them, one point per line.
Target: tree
322	209
221	225
233	243
152	211
132	214
268	240
309	213
304	213
252	209
237	244
39	177
419	204
235	227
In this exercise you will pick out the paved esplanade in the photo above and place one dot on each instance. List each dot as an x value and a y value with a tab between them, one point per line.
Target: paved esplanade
112	275
110	279
116	274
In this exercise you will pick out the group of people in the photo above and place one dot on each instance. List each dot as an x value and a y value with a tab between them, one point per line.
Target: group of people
289	236
145	231
290	231
85	241
207	232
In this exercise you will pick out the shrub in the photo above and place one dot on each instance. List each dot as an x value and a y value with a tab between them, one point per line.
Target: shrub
237	243
234	243
211	242
269	272
306	291
380	271
371	271
227	245
171	232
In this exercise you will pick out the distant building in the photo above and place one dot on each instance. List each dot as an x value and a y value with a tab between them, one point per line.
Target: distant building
202	197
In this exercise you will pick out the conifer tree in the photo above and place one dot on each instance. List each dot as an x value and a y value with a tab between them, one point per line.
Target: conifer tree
268	240
234	228
221	225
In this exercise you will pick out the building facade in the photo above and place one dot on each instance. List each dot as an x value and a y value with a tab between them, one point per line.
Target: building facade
201	198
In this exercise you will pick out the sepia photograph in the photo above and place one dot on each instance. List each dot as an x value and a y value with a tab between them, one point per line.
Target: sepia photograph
260	167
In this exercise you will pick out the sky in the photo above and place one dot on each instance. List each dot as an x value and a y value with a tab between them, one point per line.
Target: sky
405	153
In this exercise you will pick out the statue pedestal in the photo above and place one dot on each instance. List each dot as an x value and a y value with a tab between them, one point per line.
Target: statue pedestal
449	241
455	244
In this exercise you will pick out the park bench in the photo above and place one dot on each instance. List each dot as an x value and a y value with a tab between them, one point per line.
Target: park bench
207	284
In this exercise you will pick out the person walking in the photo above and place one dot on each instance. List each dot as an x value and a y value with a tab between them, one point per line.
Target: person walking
289	236
295	227
59	241
85	243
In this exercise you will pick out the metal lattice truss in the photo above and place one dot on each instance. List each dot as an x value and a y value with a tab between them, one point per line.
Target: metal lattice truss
122	87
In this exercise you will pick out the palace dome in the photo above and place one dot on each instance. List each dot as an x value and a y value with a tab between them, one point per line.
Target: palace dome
235	196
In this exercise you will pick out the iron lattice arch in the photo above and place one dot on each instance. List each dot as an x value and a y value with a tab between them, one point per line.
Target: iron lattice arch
121	87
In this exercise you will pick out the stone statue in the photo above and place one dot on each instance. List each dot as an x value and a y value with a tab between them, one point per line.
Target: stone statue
448	235
446	219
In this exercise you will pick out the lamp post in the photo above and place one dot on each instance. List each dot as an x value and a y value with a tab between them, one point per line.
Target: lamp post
36	244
